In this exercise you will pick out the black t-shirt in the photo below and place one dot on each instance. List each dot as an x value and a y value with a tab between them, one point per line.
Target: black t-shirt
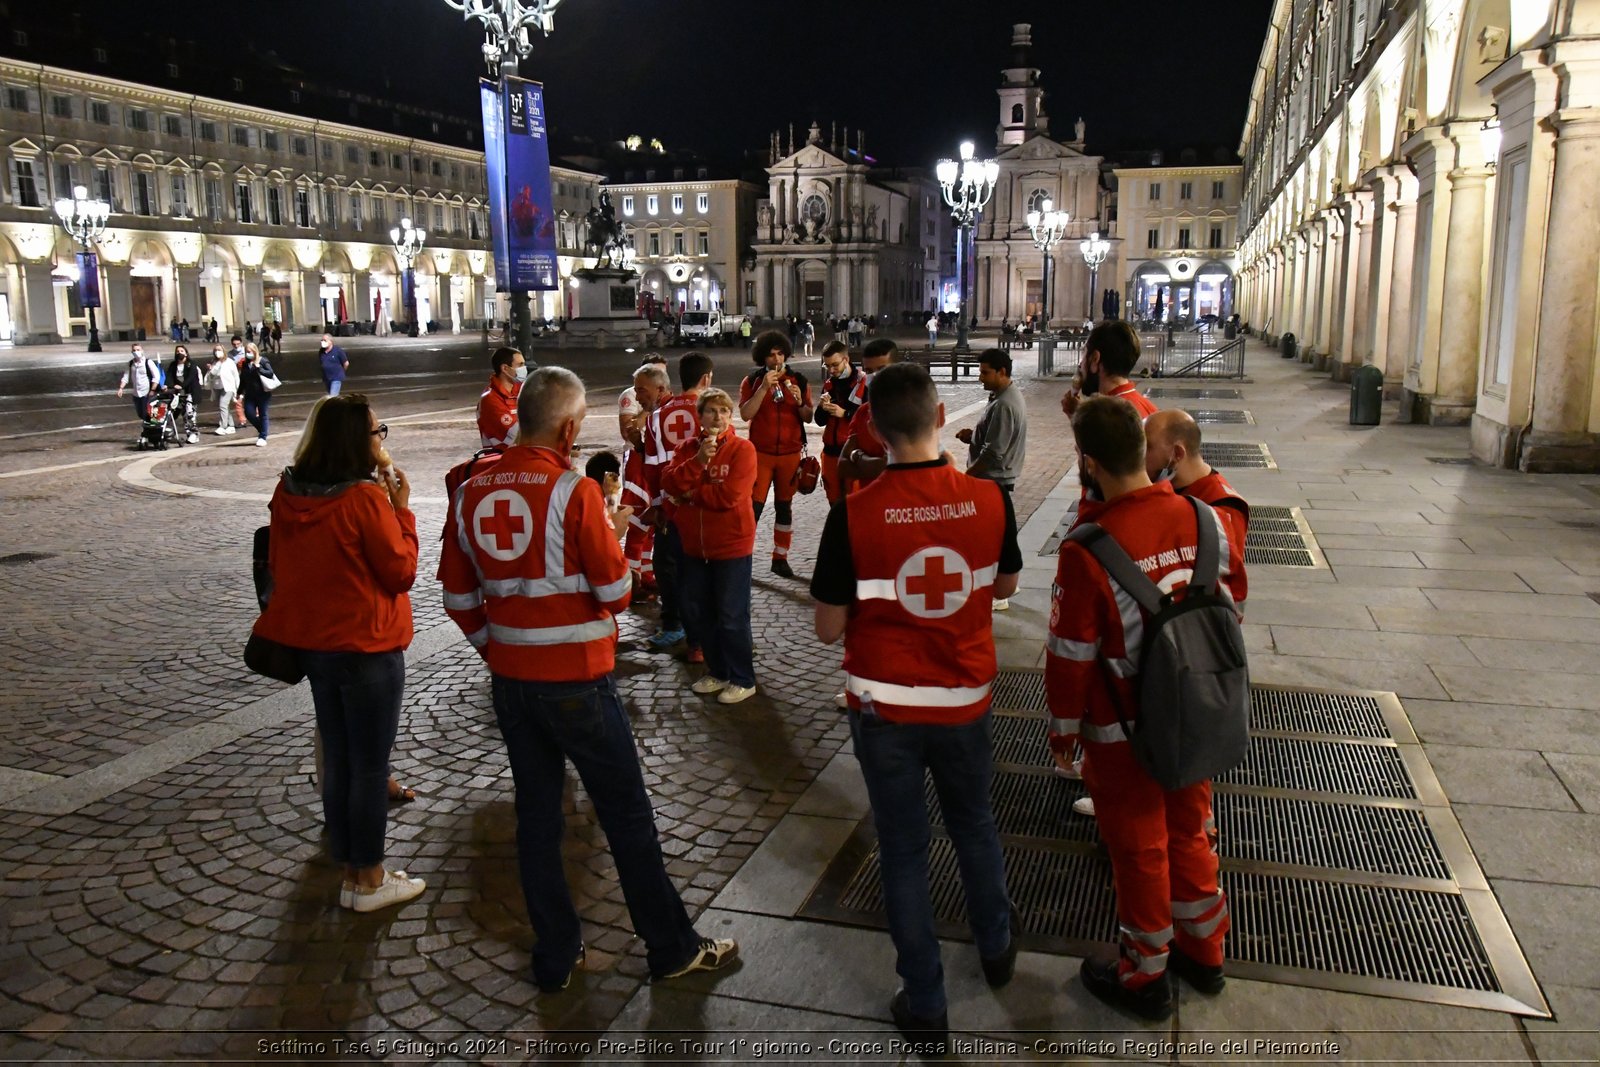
833	581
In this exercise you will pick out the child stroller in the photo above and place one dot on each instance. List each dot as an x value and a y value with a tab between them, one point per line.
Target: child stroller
161	428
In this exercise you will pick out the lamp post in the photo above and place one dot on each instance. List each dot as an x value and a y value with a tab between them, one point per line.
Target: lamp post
1047	226
505	32
408	242
968	184
85	220
1095	249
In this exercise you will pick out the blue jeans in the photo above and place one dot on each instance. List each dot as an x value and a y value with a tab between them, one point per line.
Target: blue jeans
716	615
545	723
334	387
357	696
893	760
255	412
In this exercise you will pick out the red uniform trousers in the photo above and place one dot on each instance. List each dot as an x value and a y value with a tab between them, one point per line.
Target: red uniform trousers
1162	861
639	546
777	472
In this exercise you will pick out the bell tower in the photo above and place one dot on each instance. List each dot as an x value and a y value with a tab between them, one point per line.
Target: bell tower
1021	100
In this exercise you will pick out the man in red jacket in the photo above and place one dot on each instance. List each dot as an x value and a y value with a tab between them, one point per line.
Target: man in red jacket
497	407
1172	453
675	421
863	456
709	482
1109	356
907	572
533	574
843	391
1170	908
776	401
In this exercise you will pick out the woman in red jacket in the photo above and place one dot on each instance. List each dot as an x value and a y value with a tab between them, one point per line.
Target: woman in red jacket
710	480
343	557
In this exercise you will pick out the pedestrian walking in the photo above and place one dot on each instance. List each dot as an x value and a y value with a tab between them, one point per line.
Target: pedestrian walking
343	558
183	377
277	341
536	598
912	601
497	407
854	327
144	376
223	378
1171	911
808	333
257	379
334	363
745	331
776	402
932	326
710	481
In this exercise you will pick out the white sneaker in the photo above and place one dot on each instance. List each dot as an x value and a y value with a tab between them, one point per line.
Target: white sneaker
733	694
1083	806
396	888
261	442
347	895
1002	604
193	439
1073	772
709	685
841	700
223	431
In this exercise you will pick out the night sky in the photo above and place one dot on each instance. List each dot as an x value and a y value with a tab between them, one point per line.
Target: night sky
718	75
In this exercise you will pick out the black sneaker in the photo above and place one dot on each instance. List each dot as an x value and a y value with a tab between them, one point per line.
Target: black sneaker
928	1037
1153	1001
713	954
556	987
1201	978
997	970
781	568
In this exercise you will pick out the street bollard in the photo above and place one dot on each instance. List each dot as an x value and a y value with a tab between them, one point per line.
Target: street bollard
1366	396
1287	347
1047	355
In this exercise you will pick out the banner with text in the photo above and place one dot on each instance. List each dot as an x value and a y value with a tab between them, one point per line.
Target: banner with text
88	279
522	225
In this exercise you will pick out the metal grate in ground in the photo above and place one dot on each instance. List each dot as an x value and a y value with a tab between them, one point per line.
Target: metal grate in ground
1236	454
1172	392
1344	866
1281	537
1222	417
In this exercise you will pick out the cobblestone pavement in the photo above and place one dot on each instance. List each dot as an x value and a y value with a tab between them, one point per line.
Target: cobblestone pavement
163	886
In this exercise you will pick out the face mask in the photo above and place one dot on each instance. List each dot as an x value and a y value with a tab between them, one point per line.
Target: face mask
1165	473
522	373
326	346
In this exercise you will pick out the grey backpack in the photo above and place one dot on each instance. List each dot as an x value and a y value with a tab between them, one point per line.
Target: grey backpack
1193	681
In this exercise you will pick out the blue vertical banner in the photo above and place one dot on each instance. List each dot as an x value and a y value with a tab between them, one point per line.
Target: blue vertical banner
530	222
88	279
494	153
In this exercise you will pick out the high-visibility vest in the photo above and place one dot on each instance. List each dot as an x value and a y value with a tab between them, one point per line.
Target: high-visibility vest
677	420
533	571
919	646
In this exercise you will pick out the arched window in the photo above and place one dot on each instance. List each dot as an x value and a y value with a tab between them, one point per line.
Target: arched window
1036	200
1016	113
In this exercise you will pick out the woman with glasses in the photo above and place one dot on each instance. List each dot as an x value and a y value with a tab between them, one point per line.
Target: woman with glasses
343	557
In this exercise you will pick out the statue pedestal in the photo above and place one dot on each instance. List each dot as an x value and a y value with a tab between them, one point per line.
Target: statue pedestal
607	302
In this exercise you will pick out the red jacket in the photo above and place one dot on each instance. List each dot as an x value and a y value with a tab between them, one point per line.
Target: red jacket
675	421
532	571
1215	490
716	520
1096	630
1141	403
849	393
342	561
776	429
497	414
867	439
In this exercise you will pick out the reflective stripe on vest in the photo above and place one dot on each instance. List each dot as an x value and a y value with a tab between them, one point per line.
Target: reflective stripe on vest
463	601
553	635
884	588
914	696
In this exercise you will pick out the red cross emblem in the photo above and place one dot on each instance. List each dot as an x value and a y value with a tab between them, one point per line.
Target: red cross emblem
502	525
678	427
934	583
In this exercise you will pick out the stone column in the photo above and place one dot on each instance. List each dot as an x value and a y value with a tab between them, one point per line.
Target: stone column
1461	312
1350	305
116	297
1372	322
1397	347
1313	286
1327	286
763	272
1564	355
33	305
189	295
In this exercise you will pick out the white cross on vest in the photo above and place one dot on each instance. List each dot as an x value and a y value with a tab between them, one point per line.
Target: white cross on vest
934	583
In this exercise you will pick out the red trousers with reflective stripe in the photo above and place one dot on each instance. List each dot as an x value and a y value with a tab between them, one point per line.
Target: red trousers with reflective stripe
1162	861
776	472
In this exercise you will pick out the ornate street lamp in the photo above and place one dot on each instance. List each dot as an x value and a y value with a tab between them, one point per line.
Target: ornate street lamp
408	242
85	220
1047	226
505	27
968	184
1095	249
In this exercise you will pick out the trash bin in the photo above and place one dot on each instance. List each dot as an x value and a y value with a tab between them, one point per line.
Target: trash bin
1287	346
1366	396
1047	355
1229	331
